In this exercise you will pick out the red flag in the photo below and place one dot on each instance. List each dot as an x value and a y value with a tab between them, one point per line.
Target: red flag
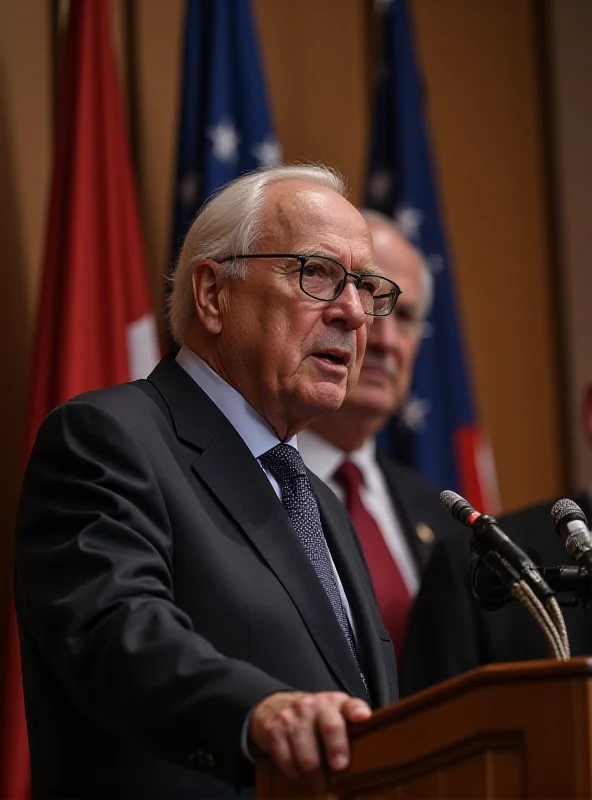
95	326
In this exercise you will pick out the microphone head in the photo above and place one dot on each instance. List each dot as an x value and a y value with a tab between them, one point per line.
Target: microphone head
565	507
453	503
448	498
571	525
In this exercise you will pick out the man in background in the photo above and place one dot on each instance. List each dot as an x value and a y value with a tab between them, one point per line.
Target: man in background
449	634
396	512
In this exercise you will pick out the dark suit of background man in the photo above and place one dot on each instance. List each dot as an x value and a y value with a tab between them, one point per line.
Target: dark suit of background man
176	615
449	634
396	512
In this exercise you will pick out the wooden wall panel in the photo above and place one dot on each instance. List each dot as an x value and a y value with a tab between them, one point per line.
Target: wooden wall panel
483	89
317	59
569	30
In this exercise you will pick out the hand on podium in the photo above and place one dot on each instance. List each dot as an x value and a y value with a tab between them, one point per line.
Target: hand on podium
302	732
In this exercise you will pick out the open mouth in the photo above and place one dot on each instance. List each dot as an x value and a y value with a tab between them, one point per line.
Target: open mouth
333	362
336	356
331	358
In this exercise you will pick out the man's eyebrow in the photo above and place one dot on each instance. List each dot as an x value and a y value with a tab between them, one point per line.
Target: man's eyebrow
371	269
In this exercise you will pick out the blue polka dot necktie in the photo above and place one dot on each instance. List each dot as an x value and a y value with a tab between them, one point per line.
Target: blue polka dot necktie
287	467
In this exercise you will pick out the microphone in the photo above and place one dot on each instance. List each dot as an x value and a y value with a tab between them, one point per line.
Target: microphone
489	536
569	579
572	526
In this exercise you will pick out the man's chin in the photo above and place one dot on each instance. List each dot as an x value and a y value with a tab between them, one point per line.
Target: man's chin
324	397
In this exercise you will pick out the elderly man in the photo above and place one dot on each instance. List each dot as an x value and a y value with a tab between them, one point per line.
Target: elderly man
396	512
188	594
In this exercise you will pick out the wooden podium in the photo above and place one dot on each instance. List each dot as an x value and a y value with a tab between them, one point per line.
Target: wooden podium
503	731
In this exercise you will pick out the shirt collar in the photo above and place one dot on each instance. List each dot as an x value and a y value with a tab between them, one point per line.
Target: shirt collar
323	458
256	432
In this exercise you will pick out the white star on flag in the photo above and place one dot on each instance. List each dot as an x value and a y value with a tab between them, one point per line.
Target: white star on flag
409	219
225	140
188	189
380	184
435	263
427	329
268	152
414	413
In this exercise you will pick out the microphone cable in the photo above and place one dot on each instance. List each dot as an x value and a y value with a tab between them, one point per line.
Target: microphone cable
516	569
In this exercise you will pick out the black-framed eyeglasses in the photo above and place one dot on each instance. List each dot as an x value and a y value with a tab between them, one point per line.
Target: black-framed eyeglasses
324	278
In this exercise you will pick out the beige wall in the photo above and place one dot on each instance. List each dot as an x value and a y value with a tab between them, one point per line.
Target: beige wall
569	31
482	88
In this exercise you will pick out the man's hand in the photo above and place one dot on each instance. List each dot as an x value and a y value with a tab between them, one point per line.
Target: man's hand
298	731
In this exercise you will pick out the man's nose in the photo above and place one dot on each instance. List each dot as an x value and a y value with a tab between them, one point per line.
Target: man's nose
348	309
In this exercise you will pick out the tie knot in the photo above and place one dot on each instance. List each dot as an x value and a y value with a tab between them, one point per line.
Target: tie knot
349	475
284	462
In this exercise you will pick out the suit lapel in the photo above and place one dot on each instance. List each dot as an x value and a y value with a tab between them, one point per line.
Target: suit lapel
418	534
259	512
350	569
233	475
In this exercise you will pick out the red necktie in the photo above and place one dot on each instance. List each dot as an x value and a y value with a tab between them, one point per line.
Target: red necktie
392	594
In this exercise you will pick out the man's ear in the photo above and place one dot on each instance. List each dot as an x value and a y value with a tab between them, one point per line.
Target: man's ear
206	295
586	411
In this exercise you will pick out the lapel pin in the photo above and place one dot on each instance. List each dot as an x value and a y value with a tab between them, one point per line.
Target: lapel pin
424	532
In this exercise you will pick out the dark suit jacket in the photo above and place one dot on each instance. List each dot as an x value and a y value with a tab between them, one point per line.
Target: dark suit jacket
417	502
449	634
162	593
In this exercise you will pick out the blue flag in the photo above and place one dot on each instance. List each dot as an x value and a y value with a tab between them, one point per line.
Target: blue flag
436	432
225	126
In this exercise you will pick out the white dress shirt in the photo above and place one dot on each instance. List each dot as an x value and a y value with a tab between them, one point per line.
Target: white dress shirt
323	458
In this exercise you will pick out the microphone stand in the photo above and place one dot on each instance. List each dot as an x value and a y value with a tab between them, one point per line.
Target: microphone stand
575	580
548	615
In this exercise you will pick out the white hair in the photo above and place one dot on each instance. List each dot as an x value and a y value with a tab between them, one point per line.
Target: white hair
231	222
427	279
